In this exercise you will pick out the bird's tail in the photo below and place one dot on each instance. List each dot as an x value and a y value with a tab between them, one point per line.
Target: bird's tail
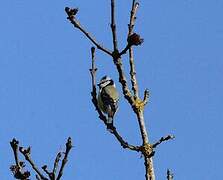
110	120
110	124
110	115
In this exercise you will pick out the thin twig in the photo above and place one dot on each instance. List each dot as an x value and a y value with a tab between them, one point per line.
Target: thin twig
132	74
56	162
113	26
125	49
131	25
162	139
50	174
77	25
14	144
131	56
26	154
93	68
123	143
65	159
93	71
18	169
117	59
122	79
146	97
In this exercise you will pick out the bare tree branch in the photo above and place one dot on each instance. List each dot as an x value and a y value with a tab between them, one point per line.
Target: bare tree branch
77	25
131	25
147	154
117	59
26	154
146	96
50	174
139	105
122	79
15	147
132	74
65	159
162	139
136	103
131	56
125	50
56	162
113	26
17	169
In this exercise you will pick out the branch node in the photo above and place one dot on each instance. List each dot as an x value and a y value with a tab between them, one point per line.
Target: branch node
116	54
147	150
138	105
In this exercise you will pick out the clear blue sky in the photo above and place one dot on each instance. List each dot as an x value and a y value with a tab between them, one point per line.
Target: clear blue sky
45	87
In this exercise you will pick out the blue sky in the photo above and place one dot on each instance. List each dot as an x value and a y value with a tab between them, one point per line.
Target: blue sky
45	87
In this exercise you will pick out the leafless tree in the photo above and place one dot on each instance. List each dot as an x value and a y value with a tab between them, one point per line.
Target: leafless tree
131	94
147	149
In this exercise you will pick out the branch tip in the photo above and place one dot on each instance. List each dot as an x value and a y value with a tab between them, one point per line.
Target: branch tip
92	50
65	159
56	162
162	139
69	143
71	12
146	96
71	17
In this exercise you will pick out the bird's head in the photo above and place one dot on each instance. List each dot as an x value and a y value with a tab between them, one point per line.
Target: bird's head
105	81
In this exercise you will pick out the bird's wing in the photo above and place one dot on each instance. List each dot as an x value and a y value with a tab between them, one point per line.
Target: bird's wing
110	98
110	93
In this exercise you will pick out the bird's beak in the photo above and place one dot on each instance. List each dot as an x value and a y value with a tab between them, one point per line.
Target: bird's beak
98	84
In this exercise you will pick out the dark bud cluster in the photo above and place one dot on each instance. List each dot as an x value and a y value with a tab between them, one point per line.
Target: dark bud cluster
135	40
18	174
71	12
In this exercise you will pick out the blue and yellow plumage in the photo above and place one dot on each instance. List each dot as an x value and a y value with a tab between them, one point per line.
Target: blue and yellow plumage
108	98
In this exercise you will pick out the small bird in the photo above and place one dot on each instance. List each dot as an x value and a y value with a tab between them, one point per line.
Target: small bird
108	98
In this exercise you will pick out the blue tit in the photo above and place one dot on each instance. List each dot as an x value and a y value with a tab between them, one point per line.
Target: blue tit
108	98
